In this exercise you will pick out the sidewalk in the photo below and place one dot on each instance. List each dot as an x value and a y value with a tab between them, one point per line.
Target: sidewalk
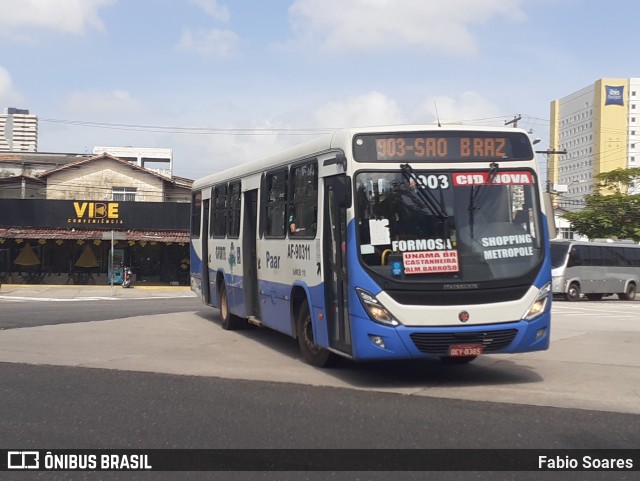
43	292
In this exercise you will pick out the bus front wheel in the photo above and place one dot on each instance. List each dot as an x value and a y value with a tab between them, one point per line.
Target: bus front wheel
573	293
311	352
629	294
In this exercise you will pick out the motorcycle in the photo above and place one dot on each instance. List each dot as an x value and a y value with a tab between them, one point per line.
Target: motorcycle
127	277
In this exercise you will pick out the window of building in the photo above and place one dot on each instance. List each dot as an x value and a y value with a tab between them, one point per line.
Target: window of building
124	194
566	233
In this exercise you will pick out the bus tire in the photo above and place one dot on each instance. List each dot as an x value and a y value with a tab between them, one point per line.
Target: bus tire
629	294
229	322
312	353
573	293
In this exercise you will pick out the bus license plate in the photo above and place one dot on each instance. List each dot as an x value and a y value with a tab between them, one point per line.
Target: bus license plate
465	350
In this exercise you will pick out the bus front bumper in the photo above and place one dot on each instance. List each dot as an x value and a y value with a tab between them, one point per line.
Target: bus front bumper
401	342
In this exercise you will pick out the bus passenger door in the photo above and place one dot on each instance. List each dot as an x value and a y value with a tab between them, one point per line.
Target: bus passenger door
336	201
204	238
250	254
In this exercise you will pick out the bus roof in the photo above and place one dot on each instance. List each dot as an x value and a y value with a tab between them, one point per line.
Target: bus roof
340	139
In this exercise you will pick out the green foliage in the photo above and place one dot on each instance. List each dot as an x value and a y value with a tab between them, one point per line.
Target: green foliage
610	212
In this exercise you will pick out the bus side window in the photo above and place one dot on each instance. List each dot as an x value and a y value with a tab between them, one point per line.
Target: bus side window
607	257
219	211
234	209
632	257
276	203
303	210
595	256
575	257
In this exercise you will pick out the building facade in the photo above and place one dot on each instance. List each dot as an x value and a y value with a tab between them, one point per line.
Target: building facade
18	131
598	126
157	159
73	219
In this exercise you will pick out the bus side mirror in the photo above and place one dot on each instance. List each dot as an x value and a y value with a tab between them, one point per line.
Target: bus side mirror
339	159
551	218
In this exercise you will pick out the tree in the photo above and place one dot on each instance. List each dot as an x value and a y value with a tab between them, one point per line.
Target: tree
611	211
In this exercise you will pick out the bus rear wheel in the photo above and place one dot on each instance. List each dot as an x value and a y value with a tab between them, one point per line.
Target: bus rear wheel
311	352
573	293
629	294
229	322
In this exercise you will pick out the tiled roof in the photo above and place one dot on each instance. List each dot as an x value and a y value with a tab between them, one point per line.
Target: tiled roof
73	234
81	162
182	181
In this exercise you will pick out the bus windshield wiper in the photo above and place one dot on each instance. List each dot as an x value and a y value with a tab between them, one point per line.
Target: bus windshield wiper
476	196
423	192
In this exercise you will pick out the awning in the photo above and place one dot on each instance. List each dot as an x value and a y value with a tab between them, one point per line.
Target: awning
87	234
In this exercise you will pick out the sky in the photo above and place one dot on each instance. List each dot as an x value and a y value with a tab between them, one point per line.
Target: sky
224	82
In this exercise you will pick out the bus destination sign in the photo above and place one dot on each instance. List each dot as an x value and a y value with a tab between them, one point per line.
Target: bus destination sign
442	146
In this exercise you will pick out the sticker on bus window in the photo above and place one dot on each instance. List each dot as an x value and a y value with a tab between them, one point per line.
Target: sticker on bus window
367	249
430	262
500	178
379	231
507	246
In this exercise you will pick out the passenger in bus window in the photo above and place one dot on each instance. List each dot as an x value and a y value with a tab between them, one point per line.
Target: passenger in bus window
293	227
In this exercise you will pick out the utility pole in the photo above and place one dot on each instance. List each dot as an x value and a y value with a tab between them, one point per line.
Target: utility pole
547	153
514	121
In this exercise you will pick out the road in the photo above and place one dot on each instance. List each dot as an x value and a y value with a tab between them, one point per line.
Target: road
176	379
592	364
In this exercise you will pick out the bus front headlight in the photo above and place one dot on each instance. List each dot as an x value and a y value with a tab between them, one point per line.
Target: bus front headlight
539	305
375	309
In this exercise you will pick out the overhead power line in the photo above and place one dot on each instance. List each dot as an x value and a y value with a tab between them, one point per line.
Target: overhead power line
196	130
189	130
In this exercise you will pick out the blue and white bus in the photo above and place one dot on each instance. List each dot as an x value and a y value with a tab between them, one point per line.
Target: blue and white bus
380	243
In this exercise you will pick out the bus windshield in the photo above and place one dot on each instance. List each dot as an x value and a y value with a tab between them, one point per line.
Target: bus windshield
449	225
558	254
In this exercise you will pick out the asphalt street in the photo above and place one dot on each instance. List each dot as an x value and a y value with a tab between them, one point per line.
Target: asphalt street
52	407
169	377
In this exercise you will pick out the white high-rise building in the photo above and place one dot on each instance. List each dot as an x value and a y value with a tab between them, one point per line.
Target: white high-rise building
599	128
18	131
